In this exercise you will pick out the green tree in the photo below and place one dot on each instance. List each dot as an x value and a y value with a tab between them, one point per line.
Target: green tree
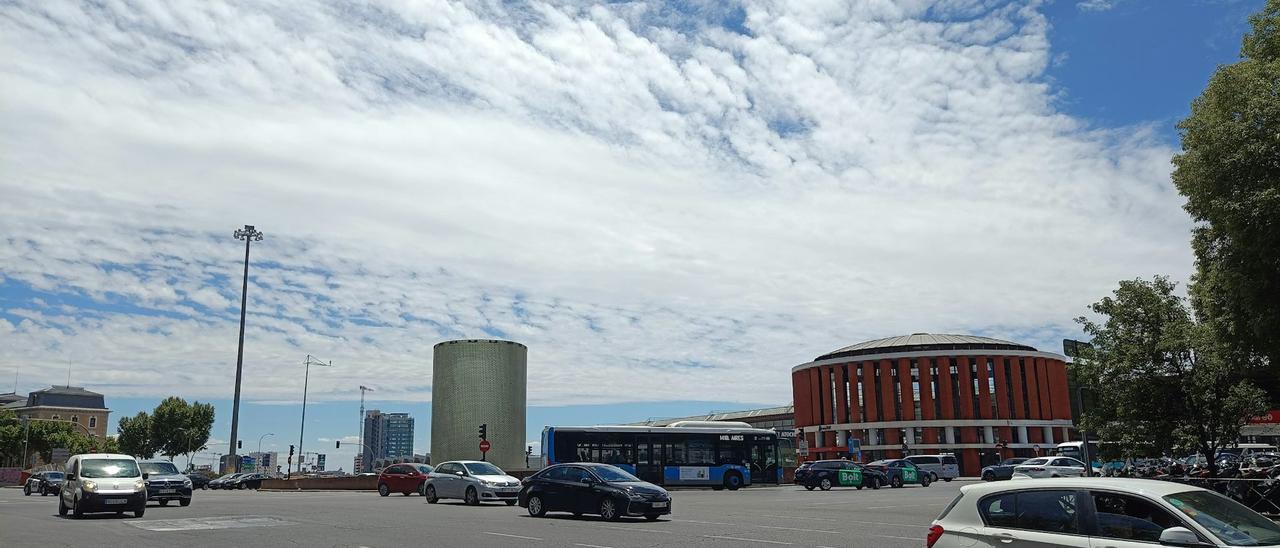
11	437
134	435
179	428
1162	379
1230	175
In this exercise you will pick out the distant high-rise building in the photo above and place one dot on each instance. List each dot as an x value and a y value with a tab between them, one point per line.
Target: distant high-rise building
386	436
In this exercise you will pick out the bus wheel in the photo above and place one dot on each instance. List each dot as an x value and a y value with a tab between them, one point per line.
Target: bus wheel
733	481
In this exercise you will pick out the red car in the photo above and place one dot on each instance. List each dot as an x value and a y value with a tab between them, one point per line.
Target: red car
404	478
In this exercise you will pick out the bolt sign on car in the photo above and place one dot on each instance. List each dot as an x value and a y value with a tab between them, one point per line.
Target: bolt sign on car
592	488
825	474
901	472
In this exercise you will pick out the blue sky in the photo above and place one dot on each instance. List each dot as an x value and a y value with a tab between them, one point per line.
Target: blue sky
671	204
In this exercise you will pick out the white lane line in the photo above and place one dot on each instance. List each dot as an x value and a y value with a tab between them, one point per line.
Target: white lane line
913	539
637	530
883	507
703	522
799	529
592	546
881	523
510	536
740	539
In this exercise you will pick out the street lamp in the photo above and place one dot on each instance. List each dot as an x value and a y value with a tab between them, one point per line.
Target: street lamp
260	441
249	235
305	379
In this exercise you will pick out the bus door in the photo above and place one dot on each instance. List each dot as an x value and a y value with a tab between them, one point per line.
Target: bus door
649	460
763	460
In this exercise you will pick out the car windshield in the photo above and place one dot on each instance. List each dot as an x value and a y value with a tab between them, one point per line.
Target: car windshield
1014	461
1227	519
880	463
1035	462
109	468
423	468
483	469
613	473
54	475
158	467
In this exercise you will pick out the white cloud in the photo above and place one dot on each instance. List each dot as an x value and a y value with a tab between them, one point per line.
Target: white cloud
656	204
1095	5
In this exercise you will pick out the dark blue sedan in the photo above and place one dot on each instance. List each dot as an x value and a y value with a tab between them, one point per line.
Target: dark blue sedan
1002	471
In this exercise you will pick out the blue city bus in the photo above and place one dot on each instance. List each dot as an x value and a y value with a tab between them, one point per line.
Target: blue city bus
717	455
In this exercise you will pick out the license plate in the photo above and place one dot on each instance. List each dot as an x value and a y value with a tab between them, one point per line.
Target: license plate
115	501
660	504
167	491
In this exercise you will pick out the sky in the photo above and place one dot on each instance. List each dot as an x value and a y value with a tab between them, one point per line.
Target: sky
671	204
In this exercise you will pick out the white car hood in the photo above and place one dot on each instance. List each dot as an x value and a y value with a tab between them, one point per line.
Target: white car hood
502	479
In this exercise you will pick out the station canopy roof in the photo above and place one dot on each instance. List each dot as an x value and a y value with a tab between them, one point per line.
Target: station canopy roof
921	342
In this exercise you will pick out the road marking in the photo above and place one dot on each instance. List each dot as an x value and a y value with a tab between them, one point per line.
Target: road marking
197	524
703	522
881	523
740	539
637	530
592	546
799	529
510	536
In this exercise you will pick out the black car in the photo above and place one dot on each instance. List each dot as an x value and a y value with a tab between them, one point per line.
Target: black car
246	481
165	482
43	483
1002	471
199	481
591	488
825	474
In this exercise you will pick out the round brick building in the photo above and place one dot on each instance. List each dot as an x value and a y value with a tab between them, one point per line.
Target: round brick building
979	398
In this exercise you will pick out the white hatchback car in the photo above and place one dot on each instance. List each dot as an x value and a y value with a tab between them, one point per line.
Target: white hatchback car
1049	467
1097	513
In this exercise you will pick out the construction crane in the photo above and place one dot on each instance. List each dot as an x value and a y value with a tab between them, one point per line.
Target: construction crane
363	389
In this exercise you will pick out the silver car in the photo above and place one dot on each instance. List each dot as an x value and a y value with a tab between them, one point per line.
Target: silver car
472	481
1049	467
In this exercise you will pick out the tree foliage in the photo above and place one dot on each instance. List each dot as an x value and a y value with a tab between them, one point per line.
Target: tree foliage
41	437
1162	380
134	435
1229	171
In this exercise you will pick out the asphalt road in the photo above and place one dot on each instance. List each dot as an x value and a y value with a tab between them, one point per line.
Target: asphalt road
768	516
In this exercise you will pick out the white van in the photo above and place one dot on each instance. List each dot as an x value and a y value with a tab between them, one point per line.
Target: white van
103	482
943	467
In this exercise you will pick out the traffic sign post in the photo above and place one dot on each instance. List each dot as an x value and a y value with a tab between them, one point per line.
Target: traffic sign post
484	448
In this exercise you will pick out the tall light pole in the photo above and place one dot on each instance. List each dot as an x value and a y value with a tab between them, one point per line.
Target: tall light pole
305	379
363	389
249	235
260	441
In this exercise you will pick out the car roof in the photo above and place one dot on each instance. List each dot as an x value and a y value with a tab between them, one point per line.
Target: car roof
1154	488
84	456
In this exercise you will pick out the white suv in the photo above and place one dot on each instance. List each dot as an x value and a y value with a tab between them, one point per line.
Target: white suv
1093	512
103	483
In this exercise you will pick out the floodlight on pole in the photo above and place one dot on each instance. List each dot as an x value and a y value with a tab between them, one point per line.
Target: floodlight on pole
249	234
311	360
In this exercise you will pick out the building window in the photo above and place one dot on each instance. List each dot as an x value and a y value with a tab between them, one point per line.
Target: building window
831	382
933	387
1026	396
915	388
93	422
897	393
955	389
991	387
875	368
862	399
1008	388
973	379
75	419
56	417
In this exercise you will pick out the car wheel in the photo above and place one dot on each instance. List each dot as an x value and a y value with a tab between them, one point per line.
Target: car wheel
608	509
139	512
859	487
407	493
732	481
809	487
44	492
875	483
383	490
825	484
987	476
652	517
26	490
536	509
76	510
422	489
62	507
948	480
164	502
895	482
472	498
120	513
430	493
184	502
925	481
933	477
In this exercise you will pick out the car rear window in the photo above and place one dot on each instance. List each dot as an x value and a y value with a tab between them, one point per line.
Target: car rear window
949	460
1035	462
953	504
1052	511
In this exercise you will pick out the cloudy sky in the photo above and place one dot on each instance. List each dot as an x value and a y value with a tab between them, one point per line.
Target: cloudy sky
668	202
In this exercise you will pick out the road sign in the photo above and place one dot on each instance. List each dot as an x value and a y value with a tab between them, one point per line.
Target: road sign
484	446
60	455
802	447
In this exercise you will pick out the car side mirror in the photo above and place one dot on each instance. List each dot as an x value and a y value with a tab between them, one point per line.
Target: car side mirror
1178	536
146	475
461	474
71	477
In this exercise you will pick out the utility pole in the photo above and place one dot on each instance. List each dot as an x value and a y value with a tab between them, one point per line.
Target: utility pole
249	235
305	380
363	389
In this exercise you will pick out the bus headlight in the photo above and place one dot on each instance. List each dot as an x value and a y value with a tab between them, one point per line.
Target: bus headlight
89	486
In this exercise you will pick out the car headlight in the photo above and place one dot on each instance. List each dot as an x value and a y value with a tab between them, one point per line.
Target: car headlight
634	495
89	486
186	483
488	483
139	485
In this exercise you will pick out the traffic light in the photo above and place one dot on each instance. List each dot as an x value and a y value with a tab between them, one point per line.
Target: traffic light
291	451
338	444
240	444
484	431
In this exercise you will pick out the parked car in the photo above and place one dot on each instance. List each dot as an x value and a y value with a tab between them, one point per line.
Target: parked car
591	488
46	482
165	483
901	472
199	481
407	478
940	467
252	480
472	481
104	482
825	474
1002	471
1084	512
1050	467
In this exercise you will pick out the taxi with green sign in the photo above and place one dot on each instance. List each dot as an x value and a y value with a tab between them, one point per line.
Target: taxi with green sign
901	472
825	474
